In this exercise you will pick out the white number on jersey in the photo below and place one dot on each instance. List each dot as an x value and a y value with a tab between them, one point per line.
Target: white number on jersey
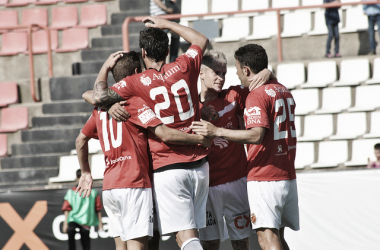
281	118
115	142
166	104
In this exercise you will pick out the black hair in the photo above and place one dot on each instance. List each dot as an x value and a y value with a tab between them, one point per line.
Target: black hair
126	65
155	42
377	146
253	56
79	173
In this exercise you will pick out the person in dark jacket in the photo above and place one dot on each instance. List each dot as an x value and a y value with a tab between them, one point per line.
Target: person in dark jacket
332	21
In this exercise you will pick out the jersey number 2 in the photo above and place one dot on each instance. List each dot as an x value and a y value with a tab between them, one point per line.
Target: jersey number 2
281	118
115	142
166	104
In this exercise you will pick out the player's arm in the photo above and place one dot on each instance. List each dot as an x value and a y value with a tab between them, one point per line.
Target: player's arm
65	224
173	136
85	181
103	96
190	35
250	136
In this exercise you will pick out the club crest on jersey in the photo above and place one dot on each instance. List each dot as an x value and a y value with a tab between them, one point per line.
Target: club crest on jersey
270	92
145	80
279	147
191	53
253	218
145	114
120	84
253	115
221	143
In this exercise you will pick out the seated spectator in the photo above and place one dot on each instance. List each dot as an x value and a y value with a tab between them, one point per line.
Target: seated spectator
375	164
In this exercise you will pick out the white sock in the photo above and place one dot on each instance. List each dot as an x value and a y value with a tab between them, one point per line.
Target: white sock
192	244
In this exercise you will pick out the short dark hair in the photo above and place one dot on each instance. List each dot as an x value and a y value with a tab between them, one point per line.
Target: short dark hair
377	146
253	56
126	65
79	173
155	42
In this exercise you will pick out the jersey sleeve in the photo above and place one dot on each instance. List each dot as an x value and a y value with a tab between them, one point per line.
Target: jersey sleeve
66	206
124	88
141	114
89	129
256	111
191	60
98	204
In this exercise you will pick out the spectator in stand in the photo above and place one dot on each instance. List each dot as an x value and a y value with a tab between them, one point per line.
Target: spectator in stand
81	213
332	21
375	164
163	7
373	13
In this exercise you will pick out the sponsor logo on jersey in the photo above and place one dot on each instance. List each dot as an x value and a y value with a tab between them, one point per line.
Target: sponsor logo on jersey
270	92
121	158
210	221
279	147
145	114
253	115
280	151
120	84
192	53
253	218
292	147
241	220
145	80
221	143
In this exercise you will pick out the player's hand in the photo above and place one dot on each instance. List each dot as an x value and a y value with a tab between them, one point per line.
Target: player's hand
207	111
204	128
260	79
207	142
117	112
169	10
64	227
85	185
155	22
112	59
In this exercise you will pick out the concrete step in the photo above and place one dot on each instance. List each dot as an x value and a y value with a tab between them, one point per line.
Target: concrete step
118	18
111	30
71	87
134	6
26	178
34	135
27	161
31	148
90	67
75	106
98	54
114	41
60	120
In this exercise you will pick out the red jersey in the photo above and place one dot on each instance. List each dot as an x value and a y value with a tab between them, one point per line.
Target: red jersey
172	93
124	144
271	106
227	159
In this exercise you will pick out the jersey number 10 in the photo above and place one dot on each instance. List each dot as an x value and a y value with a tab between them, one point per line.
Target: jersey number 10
115	142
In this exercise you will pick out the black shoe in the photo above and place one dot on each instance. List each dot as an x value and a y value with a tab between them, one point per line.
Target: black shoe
372	52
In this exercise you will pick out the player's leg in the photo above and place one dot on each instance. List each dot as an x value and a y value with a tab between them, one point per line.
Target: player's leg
282	238
120	245
71	234
138	243
242	244
154	242
269	238
211	244
85	237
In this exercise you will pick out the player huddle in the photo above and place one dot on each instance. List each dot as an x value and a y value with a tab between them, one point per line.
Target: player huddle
186	150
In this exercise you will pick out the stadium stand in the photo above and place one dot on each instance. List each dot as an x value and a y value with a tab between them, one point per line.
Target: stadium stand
64	17
224	5
376	72
282	4
8	18
320	27
74	39
366	98
307	100
298	125
3	2
46	2
189	7
374	128
291	74
68	166
75	1
296	23
305	155
210	28
356	20
89	20
13	119
18	3
362	150
264	27
13	43
234	29
93	147
320	74
335	100
313	131
231	78
353	72
40	44
3	145
97	166
331	154
254	4
358	126
34	16
8	93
